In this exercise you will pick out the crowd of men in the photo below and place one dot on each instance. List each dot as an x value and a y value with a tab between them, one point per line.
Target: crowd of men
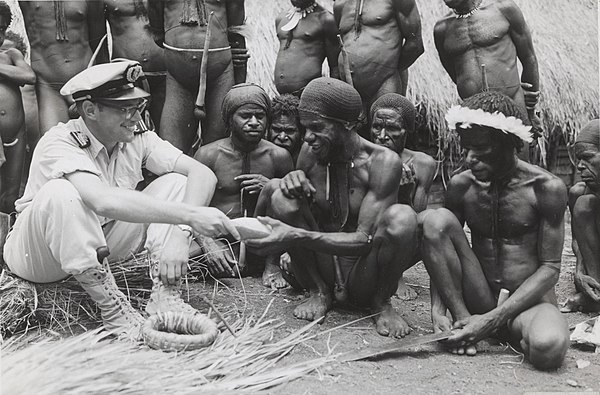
160	148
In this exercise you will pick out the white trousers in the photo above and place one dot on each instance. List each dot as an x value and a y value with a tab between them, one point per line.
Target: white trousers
57	234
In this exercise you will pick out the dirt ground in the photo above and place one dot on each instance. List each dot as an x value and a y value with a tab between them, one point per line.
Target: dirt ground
424	369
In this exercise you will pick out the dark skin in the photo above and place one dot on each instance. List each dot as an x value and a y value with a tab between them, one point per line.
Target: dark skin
495	36
389	43
521	253
226	159
388	130
371	270
55	61
14	73
286	132
224	69
584	203
132	39
314	40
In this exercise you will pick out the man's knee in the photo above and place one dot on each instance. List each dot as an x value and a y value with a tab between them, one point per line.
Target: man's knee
58	192
436	223
400	222
282	207
548	343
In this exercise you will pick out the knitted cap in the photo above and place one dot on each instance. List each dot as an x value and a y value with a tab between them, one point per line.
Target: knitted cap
401	105
332	99
590	133
246	93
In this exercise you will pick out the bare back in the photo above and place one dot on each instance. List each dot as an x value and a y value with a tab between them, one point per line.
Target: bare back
515	227
131	35
54	58
301	55
484	38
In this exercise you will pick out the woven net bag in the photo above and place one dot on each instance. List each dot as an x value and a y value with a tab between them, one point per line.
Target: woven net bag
177	331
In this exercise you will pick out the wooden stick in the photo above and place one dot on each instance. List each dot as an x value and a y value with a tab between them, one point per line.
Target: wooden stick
345	62
200	110
212	306
502	296
484	81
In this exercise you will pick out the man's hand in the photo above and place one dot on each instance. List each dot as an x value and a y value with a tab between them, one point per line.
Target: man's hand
531	97
296	185
174	258
589	286
239	57
471	330
211	222
280	238
219	257
253	183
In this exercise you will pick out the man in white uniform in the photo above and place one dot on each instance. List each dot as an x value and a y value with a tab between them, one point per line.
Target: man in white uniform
80	208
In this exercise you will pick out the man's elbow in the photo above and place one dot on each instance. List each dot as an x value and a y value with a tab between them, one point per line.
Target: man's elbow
101	204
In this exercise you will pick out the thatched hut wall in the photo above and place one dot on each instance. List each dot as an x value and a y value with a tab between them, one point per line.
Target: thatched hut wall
565	35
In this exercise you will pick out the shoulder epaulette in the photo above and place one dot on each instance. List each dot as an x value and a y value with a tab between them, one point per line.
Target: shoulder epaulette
81	139
145	124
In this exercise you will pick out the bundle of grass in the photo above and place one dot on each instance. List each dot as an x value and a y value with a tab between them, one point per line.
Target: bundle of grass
64	306
247	362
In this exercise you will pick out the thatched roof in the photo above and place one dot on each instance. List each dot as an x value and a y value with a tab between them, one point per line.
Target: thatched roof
565	36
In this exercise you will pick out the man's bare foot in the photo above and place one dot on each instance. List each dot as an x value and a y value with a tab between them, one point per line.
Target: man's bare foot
315	307
579	302
469	350
404	292
272	277
390	323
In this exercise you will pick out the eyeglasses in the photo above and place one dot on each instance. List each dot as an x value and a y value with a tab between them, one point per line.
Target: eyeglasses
128	111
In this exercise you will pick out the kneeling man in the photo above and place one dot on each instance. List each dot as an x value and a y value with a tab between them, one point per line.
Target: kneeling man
515	211
336	214
80	208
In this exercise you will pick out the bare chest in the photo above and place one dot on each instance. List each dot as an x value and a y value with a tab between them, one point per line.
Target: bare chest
308	28
484	29
232	164
368	12
501	214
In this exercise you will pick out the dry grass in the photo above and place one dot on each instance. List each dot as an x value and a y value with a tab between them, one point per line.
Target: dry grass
96	365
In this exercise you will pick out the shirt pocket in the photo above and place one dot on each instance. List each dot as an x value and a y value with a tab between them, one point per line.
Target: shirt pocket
129	177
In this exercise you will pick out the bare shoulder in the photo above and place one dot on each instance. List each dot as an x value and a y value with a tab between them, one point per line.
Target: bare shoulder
509	9
274	150
208	153
441	26
424	161
404	6
551	192
461	182
385	161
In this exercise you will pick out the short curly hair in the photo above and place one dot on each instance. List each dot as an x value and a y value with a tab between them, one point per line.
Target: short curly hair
6	12
285	104
492	101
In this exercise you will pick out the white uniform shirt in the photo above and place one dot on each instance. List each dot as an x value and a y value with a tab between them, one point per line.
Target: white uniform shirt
58	153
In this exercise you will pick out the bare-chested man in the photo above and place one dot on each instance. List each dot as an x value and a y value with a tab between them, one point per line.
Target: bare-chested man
515	211
243	163
382	39
336	214
62	35
132	39
14	73
479	43
286	130
392	120
307	36
180	27
584	203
